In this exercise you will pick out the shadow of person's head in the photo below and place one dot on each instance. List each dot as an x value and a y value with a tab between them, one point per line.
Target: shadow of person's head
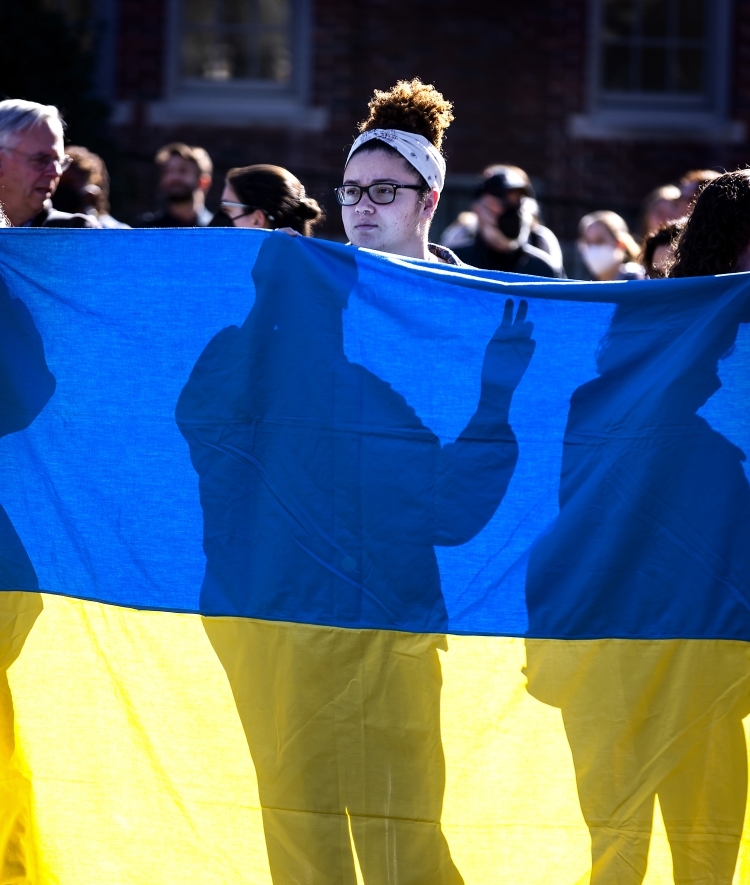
301	291
668	353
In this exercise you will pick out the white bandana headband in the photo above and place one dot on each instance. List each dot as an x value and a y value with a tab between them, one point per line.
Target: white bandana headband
415	149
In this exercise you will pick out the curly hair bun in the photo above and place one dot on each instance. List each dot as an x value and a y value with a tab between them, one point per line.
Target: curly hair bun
412	106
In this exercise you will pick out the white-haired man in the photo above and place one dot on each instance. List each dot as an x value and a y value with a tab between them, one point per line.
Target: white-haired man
32	159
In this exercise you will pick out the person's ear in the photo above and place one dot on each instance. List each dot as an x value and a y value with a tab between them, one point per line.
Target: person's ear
204	182
430	203
257	218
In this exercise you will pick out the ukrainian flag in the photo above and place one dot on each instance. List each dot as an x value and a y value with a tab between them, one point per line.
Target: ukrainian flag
321	566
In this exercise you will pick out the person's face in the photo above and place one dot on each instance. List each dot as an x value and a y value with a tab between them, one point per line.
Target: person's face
601	250
30	171
240	217
180	178
598	234
660	213
399	227
488	209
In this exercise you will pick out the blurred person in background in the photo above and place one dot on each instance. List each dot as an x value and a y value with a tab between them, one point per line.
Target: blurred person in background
608	248
658	249
32	159
502	231
266	196
691	184
84	187
659	207
716	237
184	180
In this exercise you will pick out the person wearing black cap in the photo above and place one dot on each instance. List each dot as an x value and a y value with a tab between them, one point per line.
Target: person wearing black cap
502	231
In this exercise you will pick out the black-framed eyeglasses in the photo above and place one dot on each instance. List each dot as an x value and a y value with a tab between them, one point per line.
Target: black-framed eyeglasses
382	194
247	210
40	162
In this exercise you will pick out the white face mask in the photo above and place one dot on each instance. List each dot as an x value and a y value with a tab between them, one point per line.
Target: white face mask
601	258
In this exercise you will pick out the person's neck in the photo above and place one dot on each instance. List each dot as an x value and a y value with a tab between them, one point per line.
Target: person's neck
413	248
187	210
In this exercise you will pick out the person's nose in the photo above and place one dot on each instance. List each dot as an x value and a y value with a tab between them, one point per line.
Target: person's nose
52	173
365	205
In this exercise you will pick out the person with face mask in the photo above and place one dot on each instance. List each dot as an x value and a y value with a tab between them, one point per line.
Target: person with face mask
502	232
608	248
266	197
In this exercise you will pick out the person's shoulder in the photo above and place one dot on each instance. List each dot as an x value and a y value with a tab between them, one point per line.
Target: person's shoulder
153	219
445	255
469	255
110	223
462	232
538	263
55	218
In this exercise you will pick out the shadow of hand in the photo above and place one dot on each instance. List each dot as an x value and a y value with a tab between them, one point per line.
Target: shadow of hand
509	351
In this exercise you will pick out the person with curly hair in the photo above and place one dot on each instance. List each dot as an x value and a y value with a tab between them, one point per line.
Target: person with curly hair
658	248
716	238
395	173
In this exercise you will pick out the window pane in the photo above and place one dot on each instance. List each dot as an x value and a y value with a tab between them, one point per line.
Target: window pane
274	12
618	18
690	70
237	40
654	69
655	18
616	67
274	60
237	12
691	19
199	11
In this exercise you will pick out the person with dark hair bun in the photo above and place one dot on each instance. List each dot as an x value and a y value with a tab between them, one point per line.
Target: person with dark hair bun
716	238
395	173
265	196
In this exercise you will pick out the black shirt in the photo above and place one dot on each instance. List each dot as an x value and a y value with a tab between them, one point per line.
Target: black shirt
526	259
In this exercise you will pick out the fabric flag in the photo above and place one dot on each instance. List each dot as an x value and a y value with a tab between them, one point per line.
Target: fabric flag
323	566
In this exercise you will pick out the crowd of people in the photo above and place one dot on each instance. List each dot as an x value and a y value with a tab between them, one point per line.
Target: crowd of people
44	183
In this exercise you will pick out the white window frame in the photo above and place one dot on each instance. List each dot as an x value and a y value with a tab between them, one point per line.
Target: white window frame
240	104
644	116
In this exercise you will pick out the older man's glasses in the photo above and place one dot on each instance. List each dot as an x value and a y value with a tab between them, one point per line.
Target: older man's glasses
42	162
382	194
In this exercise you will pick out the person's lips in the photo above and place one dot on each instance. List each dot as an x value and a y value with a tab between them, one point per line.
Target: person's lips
365	225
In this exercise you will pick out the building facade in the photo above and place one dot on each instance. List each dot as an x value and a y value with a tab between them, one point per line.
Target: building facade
599	100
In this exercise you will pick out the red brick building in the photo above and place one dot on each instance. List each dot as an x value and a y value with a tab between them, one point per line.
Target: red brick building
599	100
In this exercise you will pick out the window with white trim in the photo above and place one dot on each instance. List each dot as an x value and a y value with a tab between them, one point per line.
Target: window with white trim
658	65
238	63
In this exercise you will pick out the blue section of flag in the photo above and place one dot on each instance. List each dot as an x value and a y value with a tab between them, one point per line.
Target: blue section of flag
400	461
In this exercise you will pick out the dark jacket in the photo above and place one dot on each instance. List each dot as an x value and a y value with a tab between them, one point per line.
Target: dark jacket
54	218
161	218
526	260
